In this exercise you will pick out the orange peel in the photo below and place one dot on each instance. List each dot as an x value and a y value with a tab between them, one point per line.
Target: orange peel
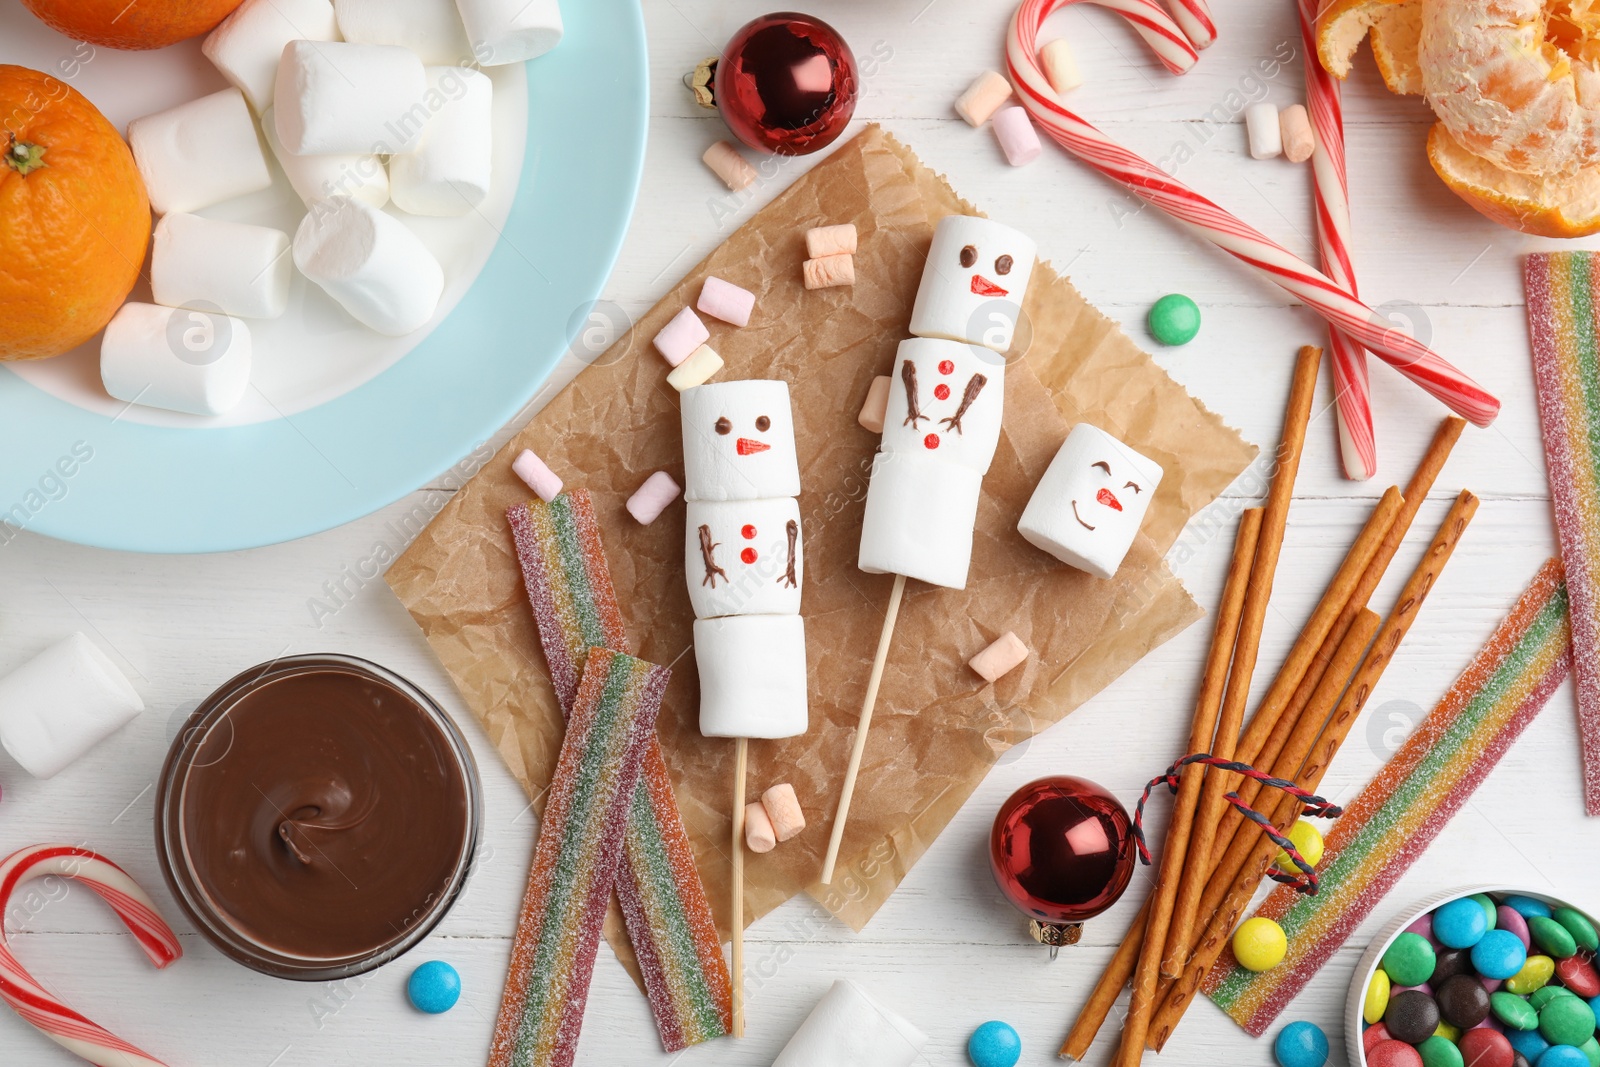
1394	26
1549	207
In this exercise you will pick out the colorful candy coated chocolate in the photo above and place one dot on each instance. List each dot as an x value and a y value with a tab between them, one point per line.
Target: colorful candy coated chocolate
1511	919
434	987
1412	1017
1591	1052
1527	907
1490	908
1565	1021
1448	963
1259	944
1579	926
1377	998
1551	937
1514	1011
1545	994
1527	1043
1301	1044
1463	1001
1372	1035
1410	960
1485	1048
1562	1056
1174	319
1578	974
1534	975
1498	954
1460	923
1393	1054
1448	1032
994	1044
1440	1052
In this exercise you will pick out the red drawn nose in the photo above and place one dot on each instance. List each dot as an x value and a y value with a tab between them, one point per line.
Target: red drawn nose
1106	497
984	287
748	447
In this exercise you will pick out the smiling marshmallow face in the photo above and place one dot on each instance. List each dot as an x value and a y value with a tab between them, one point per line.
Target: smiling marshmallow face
1091	501
738	442
972	287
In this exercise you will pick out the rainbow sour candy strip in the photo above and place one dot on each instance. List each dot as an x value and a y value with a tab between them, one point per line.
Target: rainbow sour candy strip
663	901
1399	814
576	861
1566	367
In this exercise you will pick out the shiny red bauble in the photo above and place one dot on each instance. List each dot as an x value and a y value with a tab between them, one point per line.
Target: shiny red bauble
787	83
1062	851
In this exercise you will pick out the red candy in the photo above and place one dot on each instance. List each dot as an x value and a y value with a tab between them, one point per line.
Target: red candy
1374	1035
1486	1048
1393	1053
1578	974
931	441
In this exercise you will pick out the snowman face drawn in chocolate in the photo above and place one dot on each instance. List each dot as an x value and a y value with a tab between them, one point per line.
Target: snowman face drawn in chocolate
738	440
973	283
1104	497
746	446
980	285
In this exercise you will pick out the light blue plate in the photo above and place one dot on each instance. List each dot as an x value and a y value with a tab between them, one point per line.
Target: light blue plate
160	489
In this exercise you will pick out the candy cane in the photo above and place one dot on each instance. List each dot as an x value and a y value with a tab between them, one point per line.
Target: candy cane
32	1001
1331	300
1358	446
1169	41
1194	16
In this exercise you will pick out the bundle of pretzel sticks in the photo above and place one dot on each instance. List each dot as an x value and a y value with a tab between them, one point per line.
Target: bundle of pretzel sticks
1214	859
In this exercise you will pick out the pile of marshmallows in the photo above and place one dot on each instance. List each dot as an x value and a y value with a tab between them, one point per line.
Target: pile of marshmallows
337	89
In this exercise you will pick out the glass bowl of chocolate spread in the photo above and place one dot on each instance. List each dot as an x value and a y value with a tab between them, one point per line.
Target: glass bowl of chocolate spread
317	817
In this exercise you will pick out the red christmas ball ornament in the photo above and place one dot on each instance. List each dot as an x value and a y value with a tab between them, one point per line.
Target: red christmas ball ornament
1062	851
786	83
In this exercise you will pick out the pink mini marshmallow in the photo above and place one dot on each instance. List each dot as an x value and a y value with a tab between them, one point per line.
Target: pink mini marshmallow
876	409
679	338
1018	139
783	809
1000	658
540	478
726	301
651	499
758	832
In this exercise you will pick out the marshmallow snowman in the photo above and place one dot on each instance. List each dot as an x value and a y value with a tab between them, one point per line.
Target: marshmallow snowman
743	558
972	287
1090	503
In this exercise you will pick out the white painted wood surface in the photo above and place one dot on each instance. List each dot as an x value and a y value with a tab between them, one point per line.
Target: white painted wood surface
946	951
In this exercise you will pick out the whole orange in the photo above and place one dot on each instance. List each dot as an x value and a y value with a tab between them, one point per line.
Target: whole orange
74	217
138	25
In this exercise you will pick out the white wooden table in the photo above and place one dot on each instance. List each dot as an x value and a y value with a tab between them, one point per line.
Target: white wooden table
947	951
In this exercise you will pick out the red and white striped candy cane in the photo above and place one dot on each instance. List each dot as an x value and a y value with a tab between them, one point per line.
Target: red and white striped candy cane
33	1002
1322	294
1170	42
1358	446
1194	16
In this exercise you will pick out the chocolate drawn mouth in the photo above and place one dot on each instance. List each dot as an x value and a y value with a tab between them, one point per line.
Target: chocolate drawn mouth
1075	515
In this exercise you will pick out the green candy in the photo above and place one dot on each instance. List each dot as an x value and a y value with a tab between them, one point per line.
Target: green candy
1440	1052
1578	925
1490	911
1545	994
1591	1049
1514	1011
1552	937
1566	1021
1410	960
1534	976
1174	319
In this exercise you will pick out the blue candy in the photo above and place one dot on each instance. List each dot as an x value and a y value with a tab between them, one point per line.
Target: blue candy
1527	907
435	987
1562	1056
996	1044
1498	954
1301	1044
1528	1042
1460	923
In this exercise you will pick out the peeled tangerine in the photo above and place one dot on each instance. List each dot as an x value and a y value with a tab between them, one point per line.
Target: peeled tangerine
1516	87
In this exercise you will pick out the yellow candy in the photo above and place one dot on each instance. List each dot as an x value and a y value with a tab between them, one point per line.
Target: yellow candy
1450	1033
1377	1001
1535	974
1307	841
1259	944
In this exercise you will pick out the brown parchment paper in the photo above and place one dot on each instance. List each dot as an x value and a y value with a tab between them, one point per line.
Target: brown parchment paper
938	728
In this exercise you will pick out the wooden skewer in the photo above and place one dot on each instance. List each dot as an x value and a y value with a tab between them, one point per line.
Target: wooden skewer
868	702
741	765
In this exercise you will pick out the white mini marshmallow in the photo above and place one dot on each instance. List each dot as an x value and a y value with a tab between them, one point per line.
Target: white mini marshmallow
759	834
744	557
831	240
848	1028
371	263
829	271
248	44
974	282
199	153
1262	128
447	172
876	407
946	400
363	178
783	809
61	703
698	369
537	475
510	31
430	28
738	441
983	97
1001	657
186	360
1091	501
726	163
918	519
214	265
361	99
752	675
726	301
677	340
1060	66
653	497
1018	139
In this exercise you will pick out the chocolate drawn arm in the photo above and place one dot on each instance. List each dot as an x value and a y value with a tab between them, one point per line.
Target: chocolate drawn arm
707	553
908	374
787	577
975	386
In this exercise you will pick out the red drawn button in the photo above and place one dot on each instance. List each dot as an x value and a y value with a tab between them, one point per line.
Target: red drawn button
748	555
946	367
941	392
749	532
931	441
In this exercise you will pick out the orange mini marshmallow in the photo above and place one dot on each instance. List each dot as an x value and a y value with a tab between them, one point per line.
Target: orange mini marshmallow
1298	141
1001	657
983	97
831	240
726	163
876	409
783	809
759	835
829	271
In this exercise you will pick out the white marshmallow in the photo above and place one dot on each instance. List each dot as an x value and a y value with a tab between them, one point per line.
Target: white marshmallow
727	454
752	569
510	31
363	99
430	28
1091	501
179	359
945	375
248	44
447	172
362	178
848	1028
226	266
1263	130
199	153
974	283
371	263
752	675
61	703
653	497
919	518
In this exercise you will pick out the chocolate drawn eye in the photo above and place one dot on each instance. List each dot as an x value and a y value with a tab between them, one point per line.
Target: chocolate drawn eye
1103	465
1134	487
1002	265
763	423
724	427
969	256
